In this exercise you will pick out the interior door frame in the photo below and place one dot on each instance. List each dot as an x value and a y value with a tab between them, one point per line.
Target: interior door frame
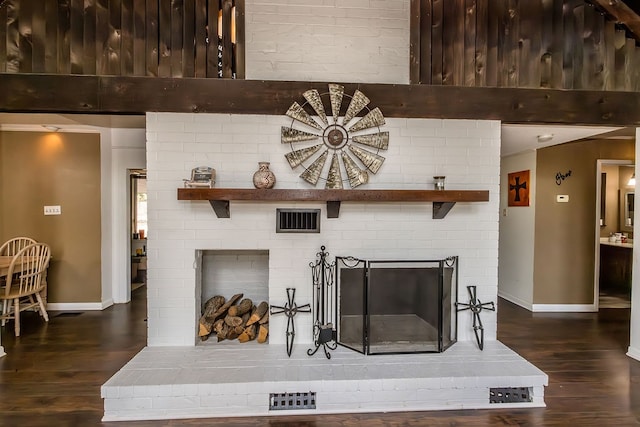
596	263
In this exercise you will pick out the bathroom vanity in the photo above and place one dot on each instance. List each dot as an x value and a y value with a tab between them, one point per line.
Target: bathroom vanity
615	266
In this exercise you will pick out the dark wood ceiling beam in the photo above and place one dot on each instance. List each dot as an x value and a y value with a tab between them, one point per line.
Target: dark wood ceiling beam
137	95
623	14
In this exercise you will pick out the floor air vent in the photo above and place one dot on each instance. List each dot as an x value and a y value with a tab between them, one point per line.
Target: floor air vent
283	401
298	220
510	395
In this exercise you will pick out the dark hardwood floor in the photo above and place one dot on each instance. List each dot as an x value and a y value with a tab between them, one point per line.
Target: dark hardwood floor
52	374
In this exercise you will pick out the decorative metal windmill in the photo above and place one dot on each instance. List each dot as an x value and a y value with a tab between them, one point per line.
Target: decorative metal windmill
335	137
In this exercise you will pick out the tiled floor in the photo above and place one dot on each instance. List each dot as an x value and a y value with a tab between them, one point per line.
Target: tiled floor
236	380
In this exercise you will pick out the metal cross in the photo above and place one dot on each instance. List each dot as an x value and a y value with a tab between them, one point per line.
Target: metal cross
518	186
290	309
476	307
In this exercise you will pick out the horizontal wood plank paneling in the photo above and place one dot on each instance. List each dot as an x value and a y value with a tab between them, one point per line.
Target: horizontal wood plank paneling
119	37
559	44
137	95
529	43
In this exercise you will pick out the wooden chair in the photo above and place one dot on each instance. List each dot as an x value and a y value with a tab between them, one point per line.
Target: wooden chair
25	280
13	246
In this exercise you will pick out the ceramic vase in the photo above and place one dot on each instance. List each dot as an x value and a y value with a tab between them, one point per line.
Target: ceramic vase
264	178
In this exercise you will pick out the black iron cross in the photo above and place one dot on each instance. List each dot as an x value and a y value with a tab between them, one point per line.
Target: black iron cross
476	307
290	309
517	186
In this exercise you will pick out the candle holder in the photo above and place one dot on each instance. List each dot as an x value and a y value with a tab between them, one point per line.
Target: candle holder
438	182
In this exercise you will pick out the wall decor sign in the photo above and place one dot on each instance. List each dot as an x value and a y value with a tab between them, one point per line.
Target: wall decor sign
562	176
518	190
344	146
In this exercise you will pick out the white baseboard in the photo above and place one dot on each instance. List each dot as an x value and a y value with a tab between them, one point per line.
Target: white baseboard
633	353
517	301
78	306
566	308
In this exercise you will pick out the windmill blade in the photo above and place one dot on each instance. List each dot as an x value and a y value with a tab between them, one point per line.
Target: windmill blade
356	175
312	173
378	140
373	118
313	98
358	102
295	158
290	135
296	112
334	178
371	160
336	93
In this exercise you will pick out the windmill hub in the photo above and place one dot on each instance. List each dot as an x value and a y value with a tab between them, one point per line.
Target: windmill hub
335	137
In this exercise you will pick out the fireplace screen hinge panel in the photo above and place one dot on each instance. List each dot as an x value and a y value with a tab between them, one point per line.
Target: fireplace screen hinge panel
297	220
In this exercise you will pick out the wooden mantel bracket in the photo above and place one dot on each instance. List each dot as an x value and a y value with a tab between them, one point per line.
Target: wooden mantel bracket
221	208
443	200
441	209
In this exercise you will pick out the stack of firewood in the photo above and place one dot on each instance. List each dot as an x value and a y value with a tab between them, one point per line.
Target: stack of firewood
230	320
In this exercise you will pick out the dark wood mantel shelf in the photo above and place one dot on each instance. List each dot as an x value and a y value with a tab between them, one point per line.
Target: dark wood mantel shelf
443	200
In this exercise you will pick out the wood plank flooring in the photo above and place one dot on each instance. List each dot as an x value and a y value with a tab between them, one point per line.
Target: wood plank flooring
52	374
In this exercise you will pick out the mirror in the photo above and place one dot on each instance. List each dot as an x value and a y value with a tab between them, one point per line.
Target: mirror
629	200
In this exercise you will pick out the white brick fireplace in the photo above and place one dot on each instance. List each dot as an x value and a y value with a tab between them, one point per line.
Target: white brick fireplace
175	377
162	382
465	151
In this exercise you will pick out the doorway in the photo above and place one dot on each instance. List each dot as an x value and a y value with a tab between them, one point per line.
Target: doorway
614	233
138	227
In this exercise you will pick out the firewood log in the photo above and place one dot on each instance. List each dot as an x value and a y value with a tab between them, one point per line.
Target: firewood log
233	321
218	326
213	304
224	332
260	311
238	310
232	335
245	318
206	320
205	327
225	307
263	333
248	334
264	319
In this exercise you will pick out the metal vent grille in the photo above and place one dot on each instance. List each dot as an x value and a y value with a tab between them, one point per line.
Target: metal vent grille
510	395
282	401
297	220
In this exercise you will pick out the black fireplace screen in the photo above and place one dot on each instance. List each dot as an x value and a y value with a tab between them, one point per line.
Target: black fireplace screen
396	306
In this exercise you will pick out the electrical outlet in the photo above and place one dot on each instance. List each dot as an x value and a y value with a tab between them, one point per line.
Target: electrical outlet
52	210
562	198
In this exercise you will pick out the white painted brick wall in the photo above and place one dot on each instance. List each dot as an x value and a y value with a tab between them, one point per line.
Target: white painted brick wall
466	151
331	40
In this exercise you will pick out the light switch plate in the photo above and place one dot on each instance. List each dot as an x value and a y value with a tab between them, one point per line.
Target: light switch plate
53	210
562	198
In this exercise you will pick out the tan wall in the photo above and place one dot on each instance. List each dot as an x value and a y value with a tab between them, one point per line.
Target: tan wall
38	169
564	251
